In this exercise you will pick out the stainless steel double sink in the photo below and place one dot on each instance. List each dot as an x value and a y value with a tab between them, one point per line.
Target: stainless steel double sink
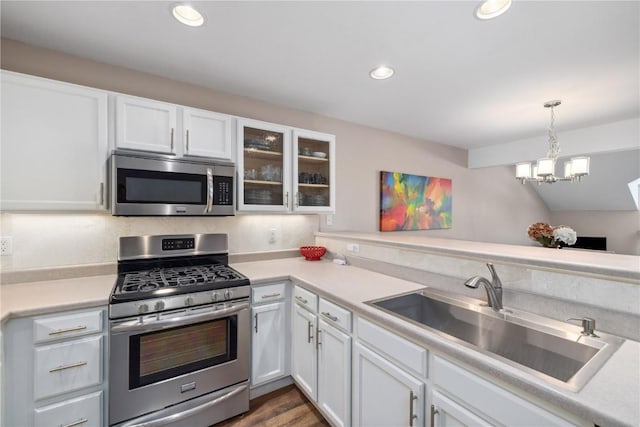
552	350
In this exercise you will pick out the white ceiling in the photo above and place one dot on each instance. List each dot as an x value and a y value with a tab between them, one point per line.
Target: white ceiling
459	81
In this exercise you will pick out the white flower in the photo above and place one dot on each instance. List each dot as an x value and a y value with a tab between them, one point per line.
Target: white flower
565	234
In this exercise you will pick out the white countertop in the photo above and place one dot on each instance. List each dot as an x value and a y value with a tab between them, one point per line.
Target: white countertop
613	266
610	398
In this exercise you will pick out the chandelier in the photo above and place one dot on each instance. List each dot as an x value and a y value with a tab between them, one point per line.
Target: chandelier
544	170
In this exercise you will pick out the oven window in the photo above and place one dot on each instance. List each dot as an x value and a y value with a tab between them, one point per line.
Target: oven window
161	355
140	186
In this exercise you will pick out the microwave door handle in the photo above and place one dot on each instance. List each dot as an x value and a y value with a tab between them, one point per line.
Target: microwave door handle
209	207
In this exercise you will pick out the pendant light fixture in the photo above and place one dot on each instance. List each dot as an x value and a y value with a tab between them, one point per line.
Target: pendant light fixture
544	170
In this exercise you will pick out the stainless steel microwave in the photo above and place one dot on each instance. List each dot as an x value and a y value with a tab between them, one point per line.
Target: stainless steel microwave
144	185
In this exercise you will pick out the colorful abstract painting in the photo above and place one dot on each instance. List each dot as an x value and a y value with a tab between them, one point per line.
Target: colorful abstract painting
413	202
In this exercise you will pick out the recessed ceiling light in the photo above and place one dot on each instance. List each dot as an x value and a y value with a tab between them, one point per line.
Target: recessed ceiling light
188	15
490	9
381	72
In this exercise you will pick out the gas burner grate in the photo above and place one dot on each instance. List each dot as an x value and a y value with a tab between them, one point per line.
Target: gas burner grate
143	281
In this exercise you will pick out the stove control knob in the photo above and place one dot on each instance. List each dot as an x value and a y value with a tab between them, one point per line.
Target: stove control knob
159	306
188	301
215	297
143	308
228	294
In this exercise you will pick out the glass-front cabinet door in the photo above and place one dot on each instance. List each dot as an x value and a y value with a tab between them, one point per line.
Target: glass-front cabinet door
313	171
264	173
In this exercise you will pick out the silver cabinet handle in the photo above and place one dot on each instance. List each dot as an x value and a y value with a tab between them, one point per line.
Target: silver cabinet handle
434	411
209	190
187	142
102	194
255	322
75	423
286	199
64	331
172	140
412	416
329	316
270	296
297	199
318	343
309	333
302	300
65	367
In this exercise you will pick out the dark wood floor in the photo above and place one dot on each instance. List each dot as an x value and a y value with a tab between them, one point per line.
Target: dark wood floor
284	407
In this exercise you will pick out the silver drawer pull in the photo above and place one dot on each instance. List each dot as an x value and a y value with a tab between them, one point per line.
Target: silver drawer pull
329	316
65	367
64	331
302	300
270	296
76	423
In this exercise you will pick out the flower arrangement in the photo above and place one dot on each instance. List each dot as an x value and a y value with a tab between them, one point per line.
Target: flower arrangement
552	237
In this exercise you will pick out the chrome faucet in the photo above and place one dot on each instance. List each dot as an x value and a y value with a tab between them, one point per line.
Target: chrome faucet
493	287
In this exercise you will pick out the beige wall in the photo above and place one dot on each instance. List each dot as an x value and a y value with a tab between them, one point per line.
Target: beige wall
621	228
488	204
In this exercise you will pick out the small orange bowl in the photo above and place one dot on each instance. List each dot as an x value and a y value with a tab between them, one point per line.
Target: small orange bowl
313	253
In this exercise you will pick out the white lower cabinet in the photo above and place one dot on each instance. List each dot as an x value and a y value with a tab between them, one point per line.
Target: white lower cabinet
447	413
270	326
269	342
54	370
334	374
383	394
321	348
303	346
471	400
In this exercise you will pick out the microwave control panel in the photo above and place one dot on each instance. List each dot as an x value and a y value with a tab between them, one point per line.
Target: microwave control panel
223	190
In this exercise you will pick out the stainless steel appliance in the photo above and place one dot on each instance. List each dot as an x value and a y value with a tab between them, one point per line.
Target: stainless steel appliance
179	333
147	185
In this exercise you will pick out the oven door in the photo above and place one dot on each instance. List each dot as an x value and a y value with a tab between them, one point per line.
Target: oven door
160	360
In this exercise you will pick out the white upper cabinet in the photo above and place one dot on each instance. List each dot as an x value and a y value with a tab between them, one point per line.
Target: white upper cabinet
159	127
313	171
145	124
281	169
54	145
206	134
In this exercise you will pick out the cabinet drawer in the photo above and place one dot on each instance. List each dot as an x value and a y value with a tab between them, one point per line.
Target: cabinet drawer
60	368
305	298
334	314
70	325
389	343
83	411
268	293
494	401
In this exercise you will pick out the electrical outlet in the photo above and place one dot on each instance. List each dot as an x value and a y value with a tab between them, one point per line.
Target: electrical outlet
272	235
6	246
329	219
353	247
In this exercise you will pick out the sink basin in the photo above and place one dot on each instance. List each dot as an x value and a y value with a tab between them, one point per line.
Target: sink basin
553	350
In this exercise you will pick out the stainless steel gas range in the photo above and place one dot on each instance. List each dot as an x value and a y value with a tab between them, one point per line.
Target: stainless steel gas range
179	333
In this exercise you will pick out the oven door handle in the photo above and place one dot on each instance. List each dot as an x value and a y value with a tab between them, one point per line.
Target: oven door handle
136	325
173	418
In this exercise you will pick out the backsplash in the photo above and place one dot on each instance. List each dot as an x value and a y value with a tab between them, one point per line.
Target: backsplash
55	240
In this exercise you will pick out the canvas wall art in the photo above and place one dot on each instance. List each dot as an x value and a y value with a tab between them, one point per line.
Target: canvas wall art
413	202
